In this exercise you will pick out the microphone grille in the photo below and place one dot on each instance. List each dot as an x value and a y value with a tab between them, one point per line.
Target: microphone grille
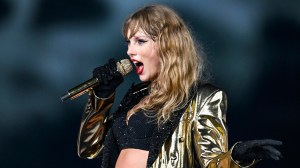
124	66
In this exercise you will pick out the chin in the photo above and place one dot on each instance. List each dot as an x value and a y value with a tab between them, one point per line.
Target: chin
143	78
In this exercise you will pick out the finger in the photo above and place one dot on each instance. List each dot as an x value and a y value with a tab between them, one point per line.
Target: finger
96	71
103	74
271	152
112	64
264	142
112	69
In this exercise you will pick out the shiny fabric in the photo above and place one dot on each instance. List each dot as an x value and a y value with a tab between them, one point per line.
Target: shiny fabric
199	140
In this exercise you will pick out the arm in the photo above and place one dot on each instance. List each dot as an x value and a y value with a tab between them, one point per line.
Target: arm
93	126
94	119
210	131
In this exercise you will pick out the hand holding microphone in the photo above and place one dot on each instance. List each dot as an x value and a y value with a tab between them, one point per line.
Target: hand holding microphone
105	80
110	79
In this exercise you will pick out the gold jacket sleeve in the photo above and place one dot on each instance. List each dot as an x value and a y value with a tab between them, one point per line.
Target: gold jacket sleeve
201	138
210	132
92	128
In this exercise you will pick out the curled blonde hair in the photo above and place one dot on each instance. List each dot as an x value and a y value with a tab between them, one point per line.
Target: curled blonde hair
181	64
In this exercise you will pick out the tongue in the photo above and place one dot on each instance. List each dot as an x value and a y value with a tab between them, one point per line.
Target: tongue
139	69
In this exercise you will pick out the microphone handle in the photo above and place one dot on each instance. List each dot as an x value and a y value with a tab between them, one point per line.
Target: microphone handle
124	67
80	89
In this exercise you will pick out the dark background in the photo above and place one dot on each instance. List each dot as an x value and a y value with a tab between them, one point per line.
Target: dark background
49	46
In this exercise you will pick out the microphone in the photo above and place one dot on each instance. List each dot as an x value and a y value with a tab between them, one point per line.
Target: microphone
124	67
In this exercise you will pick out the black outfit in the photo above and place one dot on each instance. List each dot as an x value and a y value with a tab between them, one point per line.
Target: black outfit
149	137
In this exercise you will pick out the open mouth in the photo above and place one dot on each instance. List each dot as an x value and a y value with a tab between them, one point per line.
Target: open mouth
139	66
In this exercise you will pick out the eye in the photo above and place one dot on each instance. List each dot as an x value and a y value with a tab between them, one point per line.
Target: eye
127	41
141	41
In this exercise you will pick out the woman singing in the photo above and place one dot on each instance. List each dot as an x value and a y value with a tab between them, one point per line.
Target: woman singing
172	119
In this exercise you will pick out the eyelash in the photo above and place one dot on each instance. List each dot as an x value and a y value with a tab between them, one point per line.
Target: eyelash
141	41
138	41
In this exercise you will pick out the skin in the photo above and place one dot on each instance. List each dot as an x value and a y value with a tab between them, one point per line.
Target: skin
142	51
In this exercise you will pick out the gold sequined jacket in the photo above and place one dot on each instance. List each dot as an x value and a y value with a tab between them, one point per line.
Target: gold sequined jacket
200	139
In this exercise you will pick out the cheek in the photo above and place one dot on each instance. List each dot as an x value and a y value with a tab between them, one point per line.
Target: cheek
156	65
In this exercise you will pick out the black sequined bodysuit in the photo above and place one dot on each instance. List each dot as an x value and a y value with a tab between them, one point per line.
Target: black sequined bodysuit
142	131
137	134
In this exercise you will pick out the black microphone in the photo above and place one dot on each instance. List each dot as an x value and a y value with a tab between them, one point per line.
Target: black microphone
124	67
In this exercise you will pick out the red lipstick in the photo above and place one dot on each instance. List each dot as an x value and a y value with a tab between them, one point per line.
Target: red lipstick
139	66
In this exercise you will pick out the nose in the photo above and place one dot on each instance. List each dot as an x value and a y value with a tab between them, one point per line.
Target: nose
131	50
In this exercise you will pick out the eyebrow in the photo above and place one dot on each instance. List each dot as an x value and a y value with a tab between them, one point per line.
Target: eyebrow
139	36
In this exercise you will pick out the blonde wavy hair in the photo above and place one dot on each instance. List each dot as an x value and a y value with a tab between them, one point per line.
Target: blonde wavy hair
181	63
